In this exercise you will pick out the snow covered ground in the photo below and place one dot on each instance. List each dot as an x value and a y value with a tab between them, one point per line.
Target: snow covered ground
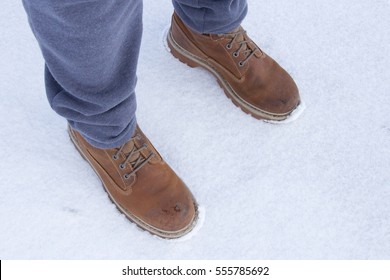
316	188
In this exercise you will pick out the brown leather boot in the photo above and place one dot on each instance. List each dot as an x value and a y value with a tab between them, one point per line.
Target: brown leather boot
249	77
142	185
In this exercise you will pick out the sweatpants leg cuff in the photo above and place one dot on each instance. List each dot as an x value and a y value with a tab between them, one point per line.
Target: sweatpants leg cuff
109	142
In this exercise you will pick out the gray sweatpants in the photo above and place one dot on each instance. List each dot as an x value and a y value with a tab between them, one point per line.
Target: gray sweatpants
91	52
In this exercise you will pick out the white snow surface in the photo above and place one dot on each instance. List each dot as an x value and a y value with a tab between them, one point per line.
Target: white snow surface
315	188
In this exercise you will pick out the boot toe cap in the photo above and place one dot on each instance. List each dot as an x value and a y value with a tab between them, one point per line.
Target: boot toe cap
174	215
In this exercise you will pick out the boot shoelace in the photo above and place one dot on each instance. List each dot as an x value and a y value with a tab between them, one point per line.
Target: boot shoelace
136	164
244	46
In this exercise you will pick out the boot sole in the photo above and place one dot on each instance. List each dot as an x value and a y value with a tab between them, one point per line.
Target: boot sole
140	223
195	61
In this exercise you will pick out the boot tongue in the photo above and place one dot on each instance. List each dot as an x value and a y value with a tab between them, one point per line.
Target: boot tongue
240	37
233	33
127	150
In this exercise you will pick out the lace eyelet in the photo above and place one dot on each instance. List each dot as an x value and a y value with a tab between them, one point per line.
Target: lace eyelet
114	157
121	166
228	46
241	64
235	54
126	176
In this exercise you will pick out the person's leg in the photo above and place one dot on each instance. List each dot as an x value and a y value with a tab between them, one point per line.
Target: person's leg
214	17
207	33
91	51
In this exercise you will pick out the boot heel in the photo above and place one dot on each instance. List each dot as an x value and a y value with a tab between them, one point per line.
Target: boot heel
180	56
